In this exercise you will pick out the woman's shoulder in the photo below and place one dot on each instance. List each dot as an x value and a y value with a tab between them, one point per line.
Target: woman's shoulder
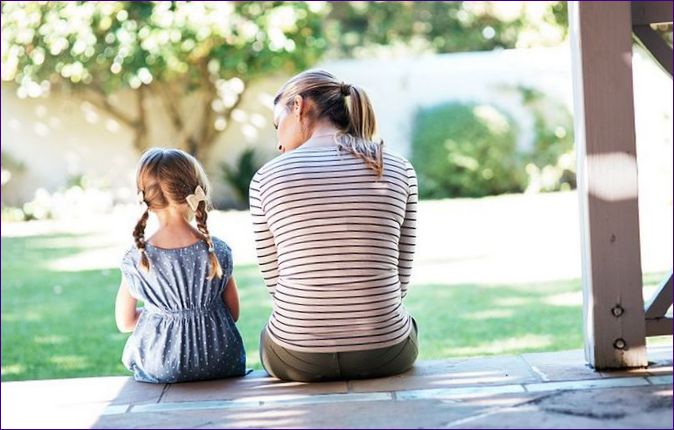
279	162
394	157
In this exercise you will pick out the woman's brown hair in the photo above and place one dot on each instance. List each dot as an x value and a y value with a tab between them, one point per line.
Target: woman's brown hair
346	106
167	176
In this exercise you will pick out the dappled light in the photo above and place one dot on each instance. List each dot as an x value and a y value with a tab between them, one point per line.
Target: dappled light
60	276
565	299
451	378
493	108
69	362
13	370
507	345
88	260
490	313
50	340
616	176
276	418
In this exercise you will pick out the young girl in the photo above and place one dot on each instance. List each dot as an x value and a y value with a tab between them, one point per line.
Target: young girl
186	329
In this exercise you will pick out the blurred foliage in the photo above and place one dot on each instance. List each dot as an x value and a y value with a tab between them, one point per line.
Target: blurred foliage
239	177
12	214
198	58
172	49
358	27
10	166
115	45
551	163
470	150
466	150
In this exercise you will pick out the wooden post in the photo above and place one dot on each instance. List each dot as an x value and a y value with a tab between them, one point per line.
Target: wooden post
613	311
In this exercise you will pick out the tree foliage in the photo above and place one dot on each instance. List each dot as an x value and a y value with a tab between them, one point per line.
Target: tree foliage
169	49
443	27
213	50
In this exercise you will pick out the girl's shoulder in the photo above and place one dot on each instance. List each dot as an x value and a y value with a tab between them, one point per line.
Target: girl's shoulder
129	261
224	253
222	249
130	255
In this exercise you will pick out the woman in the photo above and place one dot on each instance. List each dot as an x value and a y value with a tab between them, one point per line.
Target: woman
334	218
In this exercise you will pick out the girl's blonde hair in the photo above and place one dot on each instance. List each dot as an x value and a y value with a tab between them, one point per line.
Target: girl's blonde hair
346	106
166	176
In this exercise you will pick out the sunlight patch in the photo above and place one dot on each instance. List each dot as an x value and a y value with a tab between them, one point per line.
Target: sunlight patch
512	301
49	340
25	315
503	346
69	361
13	369
491	313
91	259
565	299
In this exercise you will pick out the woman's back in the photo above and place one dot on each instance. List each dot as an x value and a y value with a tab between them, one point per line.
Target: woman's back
334	242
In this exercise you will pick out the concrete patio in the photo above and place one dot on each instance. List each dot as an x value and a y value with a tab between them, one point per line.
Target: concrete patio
538	390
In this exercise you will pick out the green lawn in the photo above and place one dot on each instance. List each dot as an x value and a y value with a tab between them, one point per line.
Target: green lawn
58	323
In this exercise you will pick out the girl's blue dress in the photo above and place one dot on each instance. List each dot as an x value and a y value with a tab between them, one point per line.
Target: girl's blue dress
185	332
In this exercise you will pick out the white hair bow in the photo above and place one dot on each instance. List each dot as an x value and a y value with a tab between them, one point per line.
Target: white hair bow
198	196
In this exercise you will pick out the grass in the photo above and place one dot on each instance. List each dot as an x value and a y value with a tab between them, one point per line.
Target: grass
59	324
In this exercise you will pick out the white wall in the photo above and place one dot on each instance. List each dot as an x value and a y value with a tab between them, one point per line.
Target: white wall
398	87
59	136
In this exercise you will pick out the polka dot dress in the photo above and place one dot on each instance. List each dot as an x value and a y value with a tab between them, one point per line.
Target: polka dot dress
186	332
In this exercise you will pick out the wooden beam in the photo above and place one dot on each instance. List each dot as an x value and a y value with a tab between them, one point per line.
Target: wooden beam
655	44
613	308
660	302
658	326
651	12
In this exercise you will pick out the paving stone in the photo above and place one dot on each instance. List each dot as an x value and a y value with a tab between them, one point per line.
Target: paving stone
254	385
458	393
138	393
560	366
116	389
382	414
644	407
660	379
453	373
41	415
479	392
587	384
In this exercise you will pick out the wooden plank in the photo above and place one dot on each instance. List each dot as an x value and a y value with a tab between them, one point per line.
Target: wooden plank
655	44
661	300
601	47
658	326
651	12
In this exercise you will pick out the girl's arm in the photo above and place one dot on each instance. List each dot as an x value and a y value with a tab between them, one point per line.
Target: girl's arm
231	298
126	314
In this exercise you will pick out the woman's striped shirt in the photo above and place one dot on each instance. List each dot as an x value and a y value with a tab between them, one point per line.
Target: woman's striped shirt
335	246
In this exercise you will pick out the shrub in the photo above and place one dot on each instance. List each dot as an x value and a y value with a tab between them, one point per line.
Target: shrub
551	164
466	150
239	177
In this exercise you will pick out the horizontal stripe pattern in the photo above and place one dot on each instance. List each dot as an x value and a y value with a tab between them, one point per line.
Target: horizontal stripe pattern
335	245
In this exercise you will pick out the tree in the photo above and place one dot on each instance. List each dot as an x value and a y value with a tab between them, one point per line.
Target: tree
210	50
443	27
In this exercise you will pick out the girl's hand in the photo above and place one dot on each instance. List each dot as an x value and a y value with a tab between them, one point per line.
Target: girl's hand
231	298
126	313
